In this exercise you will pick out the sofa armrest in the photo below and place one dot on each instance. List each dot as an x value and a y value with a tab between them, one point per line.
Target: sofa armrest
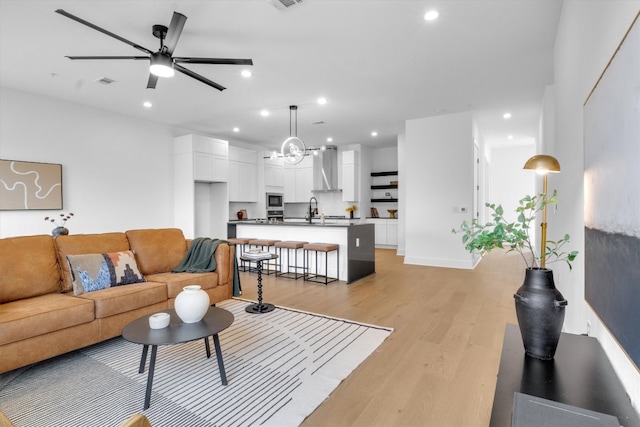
225	258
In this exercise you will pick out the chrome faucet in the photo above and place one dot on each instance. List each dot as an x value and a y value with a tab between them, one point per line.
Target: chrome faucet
311	210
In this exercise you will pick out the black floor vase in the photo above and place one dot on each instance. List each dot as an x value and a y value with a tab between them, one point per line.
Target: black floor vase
540	309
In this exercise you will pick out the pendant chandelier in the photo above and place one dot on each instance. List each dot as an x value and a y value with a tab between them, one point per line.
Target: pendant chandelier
293	149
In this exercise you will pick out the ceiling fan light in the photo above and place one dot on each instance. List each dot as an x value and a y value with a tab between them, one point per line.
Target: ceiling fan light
161	65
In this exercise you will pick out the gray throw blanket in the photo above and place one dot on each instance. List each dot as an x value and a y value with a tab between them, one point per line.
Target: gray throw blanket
200	259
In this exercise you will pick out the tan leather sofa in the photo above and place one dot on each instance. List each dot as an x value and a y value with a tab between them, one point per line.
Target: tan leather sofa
39	315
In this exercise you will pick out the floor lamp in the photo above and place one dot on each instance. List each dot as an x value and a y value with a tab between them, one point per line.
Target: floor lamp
543	164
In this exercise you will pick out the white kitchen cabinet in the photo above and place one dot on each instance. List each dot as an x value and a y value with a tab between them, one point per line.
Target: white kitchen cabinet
209	157
350	182
298	181
392	233
274	172
386	231
200	172
243	175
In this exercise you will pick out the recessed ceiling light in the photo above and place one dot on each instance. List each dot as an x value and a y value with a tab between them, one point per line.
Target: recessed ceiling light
264	113
322	100
329	139
506	115
431	15
374	133
147	104
246	73
510	137
236	129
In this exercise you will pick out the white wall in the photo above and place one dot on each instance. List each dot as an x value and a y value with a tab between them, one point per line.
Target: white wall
438	176
588	35
509	182
402	194
129	186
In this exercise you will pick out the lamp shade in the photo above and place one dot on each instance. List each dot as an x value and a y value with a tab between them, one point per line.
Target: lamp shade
543	163
161	65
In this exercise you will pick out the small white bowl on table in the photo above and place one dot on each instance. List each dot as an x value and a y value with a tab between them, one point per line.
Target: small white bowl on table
159	320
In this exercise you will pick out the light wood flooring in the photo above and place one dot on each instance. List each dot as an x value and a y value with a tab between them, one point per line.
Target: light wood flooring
439	366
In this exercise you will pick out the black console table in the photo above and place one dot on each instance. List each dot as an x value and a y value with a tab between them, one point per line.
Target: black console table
580	375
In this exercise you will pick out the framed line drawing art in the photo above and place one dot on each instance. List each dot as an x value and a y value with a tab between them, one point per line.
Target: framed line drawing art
30	185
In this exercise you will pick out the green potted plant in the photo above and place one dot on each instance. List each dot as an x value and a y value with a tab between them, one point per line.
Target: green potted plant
515	236
539	305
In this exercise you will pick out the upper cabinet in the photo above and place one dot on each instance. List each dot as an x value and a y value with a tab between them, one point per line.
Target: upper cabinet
350	181
298	181
243	175
200	175
274	172
208	157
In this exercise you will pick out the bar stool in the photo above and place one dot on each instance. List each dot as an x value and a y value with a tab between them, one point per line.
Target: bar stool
321	247
265	243
241	243
290	245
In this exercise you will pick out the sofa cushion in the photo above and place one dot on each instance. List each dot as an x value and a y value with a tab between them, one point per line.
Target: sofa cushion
79	244
121	299
40	315
157	250
92	272
28	267
176	281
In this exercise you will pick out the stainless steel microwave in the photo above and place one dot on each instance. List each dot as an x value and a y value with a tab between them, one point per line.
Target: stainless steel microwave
275	201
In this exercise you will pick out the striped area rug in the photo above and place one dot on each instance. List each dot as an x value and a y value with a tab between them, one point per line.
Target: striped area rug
280	366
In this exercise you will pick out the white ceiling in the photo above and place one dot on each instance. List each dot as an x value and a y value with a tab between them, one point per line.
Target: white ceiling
378	62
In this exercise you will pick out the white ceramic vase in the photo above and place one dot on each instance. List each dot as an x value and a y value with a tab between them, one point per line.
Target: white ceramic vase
192	304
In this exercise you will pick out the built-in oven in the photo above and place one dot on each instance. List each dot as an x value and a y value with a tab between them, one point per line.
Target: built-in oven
275	201
275	215
275	207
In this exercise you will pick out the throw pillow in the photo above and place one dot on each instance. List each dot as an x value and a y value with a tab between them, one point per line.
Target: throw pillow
125	268
89	272
92	272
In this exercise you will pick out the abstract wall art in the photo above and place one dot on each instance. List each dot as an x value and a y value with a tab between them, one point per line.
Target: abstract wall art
30	185
612	195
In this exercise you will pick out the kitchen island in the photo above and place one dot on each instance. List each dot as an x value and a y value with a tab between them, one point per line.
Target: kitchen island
356	241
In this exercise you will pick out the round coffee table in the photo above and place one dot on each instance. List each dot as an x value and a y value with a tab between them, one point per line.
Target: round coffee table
139	332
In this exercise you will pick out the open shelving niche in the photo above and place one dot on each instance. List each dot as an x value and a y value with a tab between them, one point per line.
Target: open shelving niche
377	186
386	229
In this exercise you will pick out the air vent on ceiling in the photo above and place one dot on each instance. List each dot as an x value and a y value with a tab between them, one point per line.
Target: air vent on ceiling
105	81
285	4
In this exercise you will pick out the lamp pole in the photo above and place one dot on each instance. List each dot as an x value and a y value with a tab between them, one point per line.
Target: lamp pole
543	225
543	164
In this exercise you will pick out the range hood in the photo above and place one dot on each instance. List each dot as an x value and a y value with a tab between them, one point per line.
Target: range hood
326	165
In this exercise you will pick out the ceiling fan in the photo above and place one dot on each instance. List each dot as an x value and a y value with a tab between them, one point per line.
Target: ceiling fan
163	63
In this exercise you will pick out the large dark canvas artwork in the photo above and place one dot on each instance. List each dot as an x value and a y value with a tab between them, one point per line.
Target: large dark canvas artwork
612	195
29	185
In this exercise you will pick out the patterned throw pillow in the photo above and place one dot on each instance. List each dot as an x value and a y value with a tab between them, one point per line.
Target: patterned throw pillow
92	272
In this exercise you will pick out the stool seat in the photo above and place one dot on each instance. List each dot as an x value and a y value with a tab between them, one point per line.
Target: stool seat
321	247
290	244
240	240
262	242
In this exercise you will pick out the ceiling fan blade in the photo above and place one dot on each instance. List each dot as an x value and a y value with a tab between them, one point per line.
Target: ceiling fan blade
198	77
175	29
223	61
107	57
102	30
153	81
